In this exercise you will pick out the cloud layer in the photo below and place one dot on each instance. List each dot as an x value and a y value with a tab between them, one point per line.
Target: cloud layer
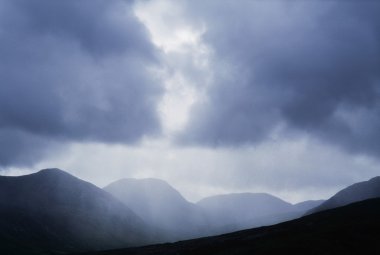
285	67
273	83
73	71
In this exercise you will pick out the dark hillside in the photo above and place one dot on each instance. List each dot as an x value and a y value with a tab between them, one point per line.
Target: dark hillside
54	211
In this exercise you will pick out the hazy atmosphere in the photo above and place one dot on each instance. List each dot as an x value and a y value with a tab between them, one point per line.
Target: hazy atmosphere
213	97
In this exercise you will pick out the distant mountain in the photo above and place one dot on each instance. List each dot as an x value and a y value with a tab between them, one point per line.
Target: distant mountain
245	210
307	205
52	211
356	192
348	230
159	204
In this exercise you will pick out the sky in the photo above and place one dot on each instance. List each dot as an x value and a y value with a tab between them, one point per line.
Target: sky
215	96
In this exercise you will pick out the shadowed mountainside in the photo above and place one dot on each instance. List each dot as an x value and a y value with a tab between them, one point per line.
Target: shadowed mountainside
352	229
354	193
56	212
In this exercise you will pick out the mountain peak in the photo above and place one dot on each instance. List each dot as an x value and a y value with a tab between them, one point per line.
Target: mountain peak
143	187
52	171
76	214
161	205
55	175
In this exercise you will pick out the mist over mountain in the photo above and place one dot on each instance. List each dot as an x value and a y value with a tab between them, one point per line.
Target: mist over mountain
245	210
356	192
352	229
159	204
307	205
54	211
217	96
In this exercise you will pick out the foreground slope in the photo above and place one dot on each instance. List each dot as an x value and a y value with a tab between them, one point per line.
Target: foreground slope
352	229
159	204
52	211
354	193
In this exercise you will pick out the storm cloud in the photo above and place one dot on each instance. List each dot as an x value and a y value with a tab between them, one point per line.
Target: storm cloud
73	71
285	67
213	96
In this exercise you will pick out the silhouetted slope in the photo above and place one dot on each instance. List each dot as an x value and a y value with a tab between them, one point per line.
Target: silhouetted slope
232	212
159	204
52	210
356	192
352	229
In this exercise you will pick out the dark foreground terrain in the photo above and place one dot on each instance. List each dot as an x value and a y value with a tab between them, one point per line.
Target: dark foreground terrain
352	229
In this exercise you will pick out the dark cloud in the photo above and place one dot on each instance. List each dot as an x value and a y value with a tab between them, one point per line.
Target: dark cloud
73	71
22	148
310	66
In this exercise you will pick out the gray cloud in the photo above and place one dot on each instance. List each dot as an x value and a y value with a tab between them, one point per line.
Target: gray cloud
73	71
309	66
21	148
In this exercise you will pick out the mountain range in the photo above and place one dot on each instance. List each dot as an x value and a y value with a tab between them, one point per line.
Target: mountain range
163	206
53	212
349	230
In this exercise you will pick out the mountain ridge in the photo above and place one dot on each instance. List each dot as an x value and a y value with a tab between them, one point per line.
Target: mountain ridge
353	193
53	211
158	203
351	229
